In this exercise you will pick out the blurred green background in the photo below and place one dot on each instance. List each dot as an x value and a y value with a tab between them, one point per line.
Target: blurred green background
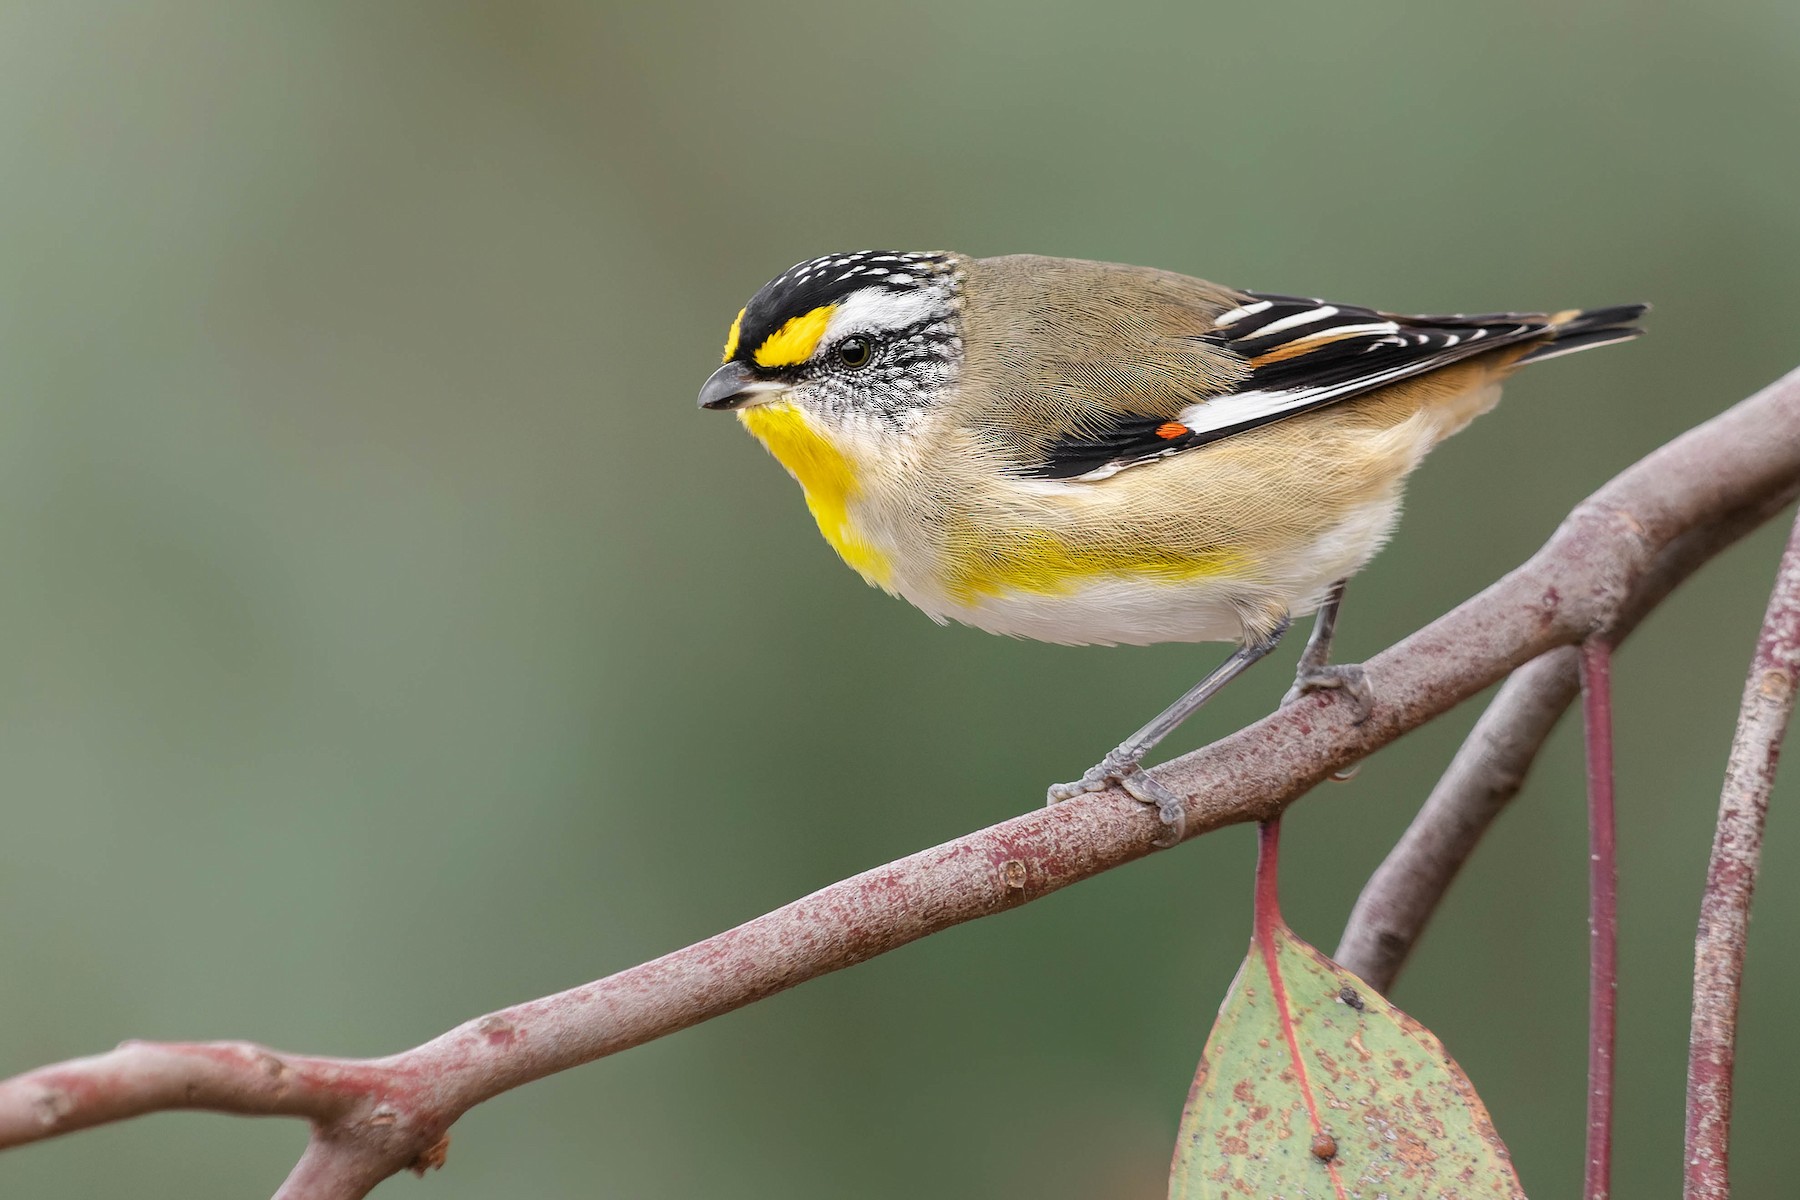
385	637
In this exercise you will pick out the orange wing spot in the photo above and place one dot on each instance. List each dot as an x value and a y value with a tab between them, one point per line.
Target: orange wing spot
1171	429
1299	346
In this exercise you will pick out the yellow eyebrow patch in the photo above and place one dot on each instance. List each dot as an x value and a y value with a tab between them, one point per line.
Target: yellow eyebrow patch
731	339
795	341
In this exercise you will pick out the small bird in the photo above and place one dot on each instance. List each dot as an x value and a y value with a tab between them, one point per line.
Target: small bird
1091	453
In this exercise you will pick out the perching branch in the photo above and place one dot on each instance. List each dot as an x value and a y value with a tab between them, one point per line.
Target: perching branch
372	1118
1490	767
1731	881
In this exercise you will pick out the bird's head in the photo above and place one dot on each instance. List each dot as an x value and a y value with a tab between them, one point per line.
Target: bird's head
857	343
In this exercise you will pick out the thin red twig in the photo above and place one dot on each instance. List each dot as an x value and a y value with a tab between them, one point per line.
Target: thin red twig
1267	923
1266	912
1603	914
1731	882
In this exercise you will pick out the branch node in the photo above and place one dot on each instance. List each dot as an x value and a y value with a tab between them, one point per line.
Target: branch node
1776	684
51	1105
431	1158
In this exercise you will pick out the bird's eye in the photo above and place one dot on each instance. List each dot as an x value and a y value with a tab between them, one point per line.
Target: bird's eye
855	352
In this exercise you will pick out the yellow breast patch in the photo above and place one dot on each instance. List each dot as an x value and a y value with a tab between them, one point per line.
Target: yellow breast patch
796	340
826	476
983	564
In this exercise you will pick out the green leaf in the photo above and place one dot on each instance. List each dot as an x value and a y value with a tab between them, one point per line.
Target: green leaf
1313	1085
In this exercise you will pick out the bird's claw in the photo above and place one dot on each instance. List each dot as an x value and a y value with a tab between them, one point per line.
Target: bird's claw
1348	678
1137	784
1169	808
1094	781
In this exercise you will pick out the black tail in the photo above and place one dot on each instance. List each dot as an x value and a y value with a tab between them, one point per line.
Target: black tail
1581	329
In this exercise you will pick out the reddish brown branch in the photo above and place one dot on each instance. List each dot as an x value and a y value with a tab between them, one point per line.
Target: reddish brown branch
1731	881
1490	767
376	1117
1603	914
1487	772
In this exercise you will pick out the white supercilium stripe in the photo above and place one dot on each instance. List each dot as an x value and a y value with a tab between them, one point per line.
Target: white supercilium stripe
875	310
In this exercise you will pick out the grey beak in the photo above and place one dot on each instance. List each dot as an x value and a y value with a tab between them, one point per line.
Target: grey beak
733	386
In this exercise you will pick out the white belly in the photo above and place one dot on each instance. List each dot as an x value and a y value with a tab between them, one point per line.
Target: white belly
1139	611
1105	612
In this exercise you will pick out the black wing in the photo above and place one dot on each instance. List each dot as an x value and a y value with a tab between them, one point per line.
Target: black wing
1306	354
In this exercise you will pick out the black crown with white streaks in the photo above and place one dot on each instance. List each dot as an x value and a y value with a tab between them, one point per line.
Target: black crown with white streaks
826	280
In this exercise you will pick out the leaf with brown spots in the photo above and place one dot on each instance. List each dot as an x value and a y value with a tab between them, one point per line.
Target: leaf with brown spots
1314	1086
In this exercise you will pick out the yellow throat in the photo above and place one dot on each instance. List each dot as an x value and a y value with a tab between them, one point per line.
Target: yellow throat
826	476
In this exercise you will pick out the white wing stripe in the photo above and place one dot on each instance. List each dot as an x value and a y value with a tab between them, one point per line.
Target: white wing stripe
1226	319
1334	332
1243	406
1308	317
1225	411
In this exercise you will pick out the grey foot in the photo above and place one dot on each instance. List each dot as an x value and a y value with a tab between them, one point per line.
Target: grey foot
1347	678
1130	776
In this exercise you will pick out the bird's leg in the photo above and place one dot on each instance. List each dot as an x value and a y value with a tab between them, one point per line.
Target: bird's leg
1125	765
1315	673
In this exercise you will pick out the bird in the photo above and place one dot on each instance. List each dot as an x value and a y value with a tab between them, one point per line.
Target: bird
1090	453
